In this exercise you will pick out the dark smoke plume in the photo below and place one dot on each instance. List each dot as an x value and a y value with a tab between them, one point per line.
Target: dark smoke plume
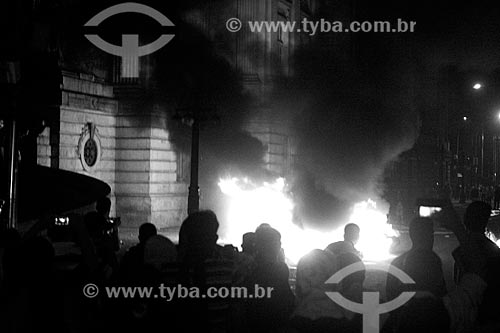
351	120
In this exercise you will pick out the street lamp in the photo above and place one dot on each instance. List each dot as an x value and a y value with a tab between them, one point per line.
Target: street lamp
459	133
477	86
195	116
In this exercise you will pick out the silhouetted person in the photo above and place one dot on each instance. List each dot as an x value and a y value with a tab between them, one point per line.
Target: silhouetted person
133	260
159	251
348	245
203	265
457	311
476	220
245	260
105	249
248	244
421	263
351	233
281	255
269	313
315	311
198	237
103	207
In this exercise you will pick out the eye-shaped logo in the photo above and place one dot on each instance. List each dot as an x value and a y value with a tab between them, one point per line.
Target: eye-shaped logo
130	51
371	307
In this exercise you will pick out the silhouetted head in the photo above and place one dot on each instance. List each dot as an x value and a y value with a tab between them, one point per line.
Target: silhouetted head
248	244
146	230
158	251
267	243
313	270
198	235
421	232
103	206
477	216
351	233
263	225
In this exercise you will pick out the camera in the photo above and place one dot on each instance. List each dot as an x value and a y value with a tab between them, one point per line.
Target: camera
427	207
428	211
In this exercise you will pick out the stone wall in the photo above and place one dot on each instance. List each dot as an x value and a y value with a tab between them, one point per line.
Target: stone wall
147	187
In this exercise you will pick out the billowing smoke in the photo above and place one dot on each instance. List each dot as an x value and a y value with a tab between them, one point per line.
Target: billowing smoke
201	81
349	118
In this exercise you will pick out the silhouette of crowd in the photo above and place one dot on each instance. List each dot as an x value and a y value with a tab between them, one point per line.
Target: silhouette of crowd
43	273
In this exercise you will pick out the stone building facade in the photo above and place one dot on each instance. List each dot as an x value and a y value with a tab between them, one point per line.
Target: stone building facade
100	135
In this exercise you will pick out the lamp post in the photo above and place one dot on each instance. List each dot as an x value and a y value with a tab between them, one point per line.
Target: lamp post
458	136
12	167
193	116
194	189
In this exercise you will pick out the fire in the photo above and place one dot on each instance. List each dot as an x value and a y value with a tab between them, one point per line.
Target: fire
251	205
376	234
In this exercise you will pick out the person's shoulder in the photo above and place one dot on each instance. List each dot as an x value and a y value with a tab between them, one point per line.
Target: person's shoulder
398	261
134	249
339	247
424	256
488	246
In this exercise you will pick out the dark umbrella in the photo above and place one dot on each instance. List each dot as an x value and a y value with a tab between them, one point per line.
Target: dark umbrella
44	190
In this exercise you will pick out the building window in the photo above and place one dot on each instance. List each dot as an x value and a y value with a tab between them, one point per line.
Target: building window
183	166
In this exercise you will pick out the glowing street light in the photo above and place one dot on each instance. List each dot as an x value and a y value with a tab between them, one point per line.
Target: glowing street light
477	86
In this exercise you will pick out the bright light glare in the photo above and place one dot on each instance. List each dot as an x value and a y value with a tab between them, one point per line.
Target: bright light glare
477	86
250	205
493	238
426	211
376	234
